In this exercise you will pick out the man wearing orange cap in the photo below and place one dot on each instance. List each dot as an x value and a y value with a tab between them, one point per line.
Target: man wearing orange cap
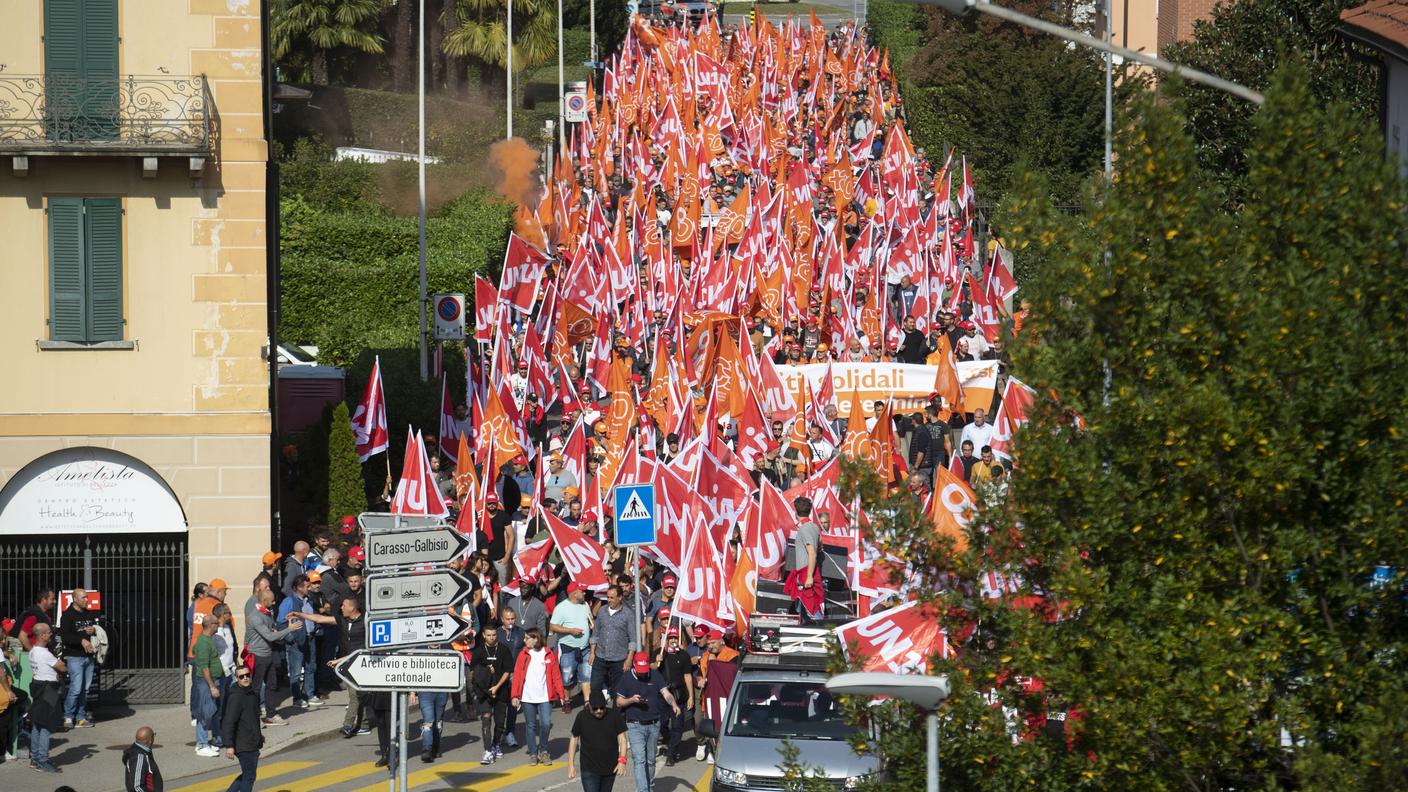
215	594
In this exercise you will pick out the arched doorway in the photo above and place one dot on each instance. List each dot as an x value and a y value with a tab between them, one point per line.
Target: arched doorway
107	521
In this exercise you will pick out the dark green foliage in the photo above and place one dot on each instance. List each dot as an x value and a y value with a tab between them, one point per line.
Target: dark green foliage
611	23
346	494
1245	42
1211	528
1013	100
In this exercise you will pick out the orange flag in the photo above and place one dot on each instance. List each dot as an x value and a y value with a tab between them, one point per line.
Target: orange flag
952	506
621	415
946	382
464	470
729	375
857	442
499	433
883	436
744	588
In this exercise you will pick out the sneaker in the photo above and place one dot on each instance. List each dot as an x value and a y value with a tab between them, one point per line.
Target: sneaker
300	704
277	720
193	723
488	758
382	762
44	767
699	753
348	733
68	723
711	757
510	740
312	702
567	707
84	723
532	759
209	750
544	759
427	756
498	752
365	730
669	760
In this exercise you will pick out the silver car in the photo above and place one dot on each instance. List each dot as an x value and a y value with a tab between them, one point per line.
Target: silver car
776	699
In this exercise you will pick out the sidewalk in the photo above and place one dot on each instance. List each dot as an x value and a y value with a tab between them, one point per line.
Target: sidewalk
91	759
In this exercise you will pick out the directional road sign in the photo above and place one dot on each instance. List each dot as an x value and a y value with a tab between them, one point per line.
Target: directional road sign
419	671
635	514
439	589
382	521
414	548
415	630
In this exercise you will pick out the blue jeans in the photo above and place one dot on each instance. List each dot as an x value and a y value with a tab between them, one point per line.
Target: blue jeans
574	665
432	716
591	782
80	678
200	700
537	725
39	744
302	670
643	738
249	769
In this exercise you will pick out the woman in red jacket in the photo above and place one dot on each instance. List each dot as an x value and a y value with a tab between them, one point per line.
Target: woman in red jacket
537	685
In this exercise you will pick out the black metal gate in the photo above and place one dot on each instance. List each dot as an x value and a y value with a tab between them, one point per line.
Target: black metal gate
142	579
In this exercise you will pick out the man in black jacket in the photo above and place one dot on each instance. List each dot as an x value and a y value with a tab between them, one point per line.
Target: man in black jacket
76	630
240	730
139	770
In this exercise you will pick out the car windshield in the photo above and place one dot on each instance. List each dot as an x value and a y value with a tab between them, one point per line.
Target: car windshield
799	710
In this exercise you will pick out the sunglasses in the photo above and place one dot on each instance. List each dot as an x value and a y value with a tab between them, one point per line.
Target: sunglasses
241	676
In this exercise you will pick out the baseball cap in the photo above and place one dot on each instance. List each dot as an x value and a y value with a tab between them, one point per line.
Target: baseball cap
577	585
663	614
357	554
526	500
669	581
715	635
270	557
700	629
523	364
673	632
347	524
598	700
520	460
315	577
570	492
491	499
641	664
217	583
589	516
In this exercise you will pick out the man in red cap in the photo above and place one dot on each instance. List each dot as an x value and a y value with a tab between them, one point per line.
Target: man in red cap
662	599
674	665
572	624
644	699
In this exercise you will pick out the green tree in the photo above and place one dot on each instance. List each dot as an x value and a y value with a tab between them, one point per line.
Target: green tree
344	474
1246	41
1208	530
321	25
1011	99
481	33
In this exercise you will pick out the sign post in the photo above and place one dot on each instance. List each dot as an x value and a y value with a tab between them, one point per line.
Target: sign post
414	548
442	588
402	632
420	671
635	526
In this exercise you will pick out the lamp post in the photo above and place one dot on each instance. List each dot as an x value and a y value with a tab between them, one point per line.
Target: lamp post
985	6
508	70
420	184
924	692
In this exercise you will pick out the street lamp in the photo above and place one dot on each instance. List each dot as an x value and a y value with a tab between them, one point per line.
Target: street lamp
924	692
961	7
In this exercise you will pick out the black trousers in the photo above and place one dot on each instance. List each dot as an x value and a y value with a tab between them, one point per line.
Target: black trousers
266	677
493	713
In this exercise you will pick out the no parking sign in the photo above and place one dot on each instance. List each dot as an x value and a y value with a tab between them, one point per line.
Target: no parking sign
576	110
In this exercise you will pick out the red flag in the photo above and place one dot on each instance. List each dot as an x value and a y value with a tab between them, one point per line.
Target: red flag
449	429
701	591
581	554
679	502
416	492
486	303
898	640
528	560
770	524
369	422
522	274
1017	401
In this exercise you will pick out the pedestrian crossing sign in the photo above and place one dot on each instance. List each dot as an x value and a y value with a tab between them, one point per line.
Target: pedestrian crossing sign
635	514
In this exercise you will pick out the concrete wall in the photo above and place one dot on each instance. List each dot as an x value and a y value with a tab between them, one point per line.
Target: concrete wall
191	399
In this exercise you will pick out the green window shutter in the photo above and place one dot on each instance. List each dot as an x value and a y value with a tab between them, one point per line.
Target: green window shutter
67	314
104	238
63	67
100	94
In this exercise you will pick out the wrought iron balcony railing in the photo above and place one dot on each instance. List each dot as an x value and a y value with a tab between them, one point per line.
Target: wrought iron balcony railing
93	115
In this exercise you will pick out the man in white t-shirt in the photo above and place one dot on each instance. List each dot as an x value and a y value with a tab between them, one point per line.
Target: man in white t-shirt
46	709
979	433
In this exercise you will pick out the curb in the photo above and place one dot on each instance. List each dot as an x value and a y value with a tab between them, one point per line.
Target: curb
306	740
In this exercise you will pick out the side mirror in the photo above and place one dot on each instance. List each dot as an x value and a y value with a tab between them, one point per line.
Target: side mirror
706	728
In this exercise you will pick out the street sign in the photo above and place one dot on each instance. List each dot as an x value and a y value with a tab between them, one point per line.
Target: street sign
635	514
414	548
417	630
442	588
384	521
449	317
415	671
576	110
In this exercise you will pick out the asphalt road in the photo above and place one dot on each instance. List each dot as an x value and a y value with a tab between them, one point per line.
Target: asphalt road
347	765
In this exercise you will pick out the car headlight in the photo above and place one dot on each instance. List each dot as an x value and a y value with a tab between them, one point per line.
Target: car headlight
854	782
730	776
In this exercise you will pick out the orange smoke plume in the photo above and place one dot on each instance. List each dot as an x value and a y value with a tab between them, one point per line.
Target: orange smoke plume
514	163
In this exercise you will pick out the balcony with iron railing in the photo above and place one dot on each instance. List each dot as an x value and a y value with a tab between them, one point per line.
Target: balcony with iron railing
128	115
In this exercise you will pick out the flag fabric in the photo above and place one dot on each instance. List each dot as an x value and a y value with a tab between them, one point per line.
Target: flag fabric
952	507
900	640
583	556
1017	403
701	590
522	274
369	421
449	428
416	492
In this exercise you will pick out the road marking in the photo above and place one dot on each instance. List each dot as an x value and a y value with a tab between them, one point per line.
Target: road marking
702	785
265	773
443	772
331	777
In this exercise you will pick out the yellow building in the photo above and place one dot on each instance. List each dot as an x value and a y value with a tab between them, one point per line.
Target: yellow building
134	410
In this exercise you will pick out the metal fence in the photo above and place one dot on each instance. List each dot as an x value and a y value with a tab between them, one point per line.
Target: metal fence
142	580
40	112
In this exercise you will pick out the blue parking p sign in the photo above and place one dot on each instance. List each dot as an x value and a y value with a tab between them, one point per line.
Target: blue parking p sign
635	514
381	634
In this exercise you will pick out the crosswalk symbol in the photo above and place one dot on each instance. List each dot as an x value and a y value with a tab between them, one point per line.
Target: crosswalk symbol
635	509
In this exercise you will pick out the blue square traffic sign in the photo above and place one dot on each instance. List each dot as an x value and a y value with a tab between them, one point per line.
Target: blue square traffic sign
635	514
381	633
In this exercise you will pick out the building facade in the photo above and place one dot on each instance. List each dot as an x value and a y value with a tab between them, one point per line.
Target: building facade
1381	26
135	412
